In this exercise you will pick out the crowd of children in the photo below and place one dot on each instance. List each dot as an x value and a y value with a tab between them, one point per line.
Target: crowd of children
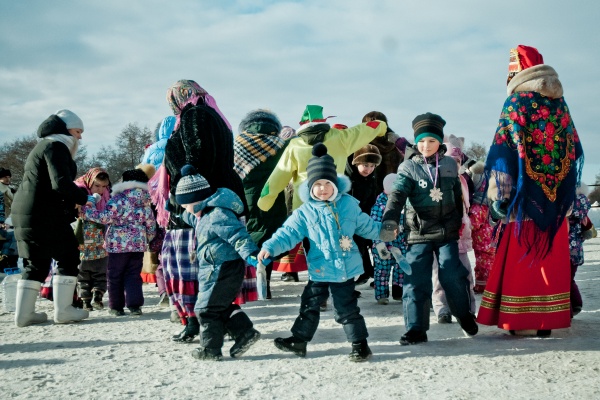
401	211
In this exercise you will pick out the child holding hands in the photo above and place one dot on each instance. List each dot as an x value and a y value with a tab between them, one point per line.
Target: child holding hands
429	187
329	217
223	244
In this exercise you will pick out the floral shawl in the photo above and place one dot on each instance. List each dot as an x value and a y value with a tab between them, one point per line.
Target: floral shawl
536	161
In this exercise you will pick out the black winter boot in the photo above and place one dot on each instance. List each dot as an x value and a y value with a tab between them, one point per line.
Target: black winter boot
87	304
243	342
360	351
397	292
191	330
207	354
97	300
292	344
413	337
468	325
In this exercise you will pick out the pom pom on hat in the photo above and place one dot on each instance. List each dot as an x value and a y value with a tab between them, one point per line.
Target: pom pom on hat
367	154
454	146
321	166
192	187
260	121
70	119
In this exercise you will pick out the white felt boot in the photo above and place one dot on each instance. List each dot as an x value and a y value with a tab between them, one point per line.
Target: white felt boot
27	294
62	289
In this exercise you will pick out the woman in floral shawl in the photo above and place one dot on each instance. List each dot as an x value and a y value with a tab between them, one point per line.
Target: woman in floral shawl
534	166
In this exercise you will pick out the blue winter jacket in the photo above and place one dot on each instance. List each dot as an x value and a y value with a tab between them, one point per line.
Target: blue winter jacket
220	234
327	262
156	152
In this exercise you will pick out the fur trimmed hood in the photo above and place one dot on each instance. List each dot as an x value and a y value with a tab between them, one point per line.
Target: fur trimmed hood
123	186
343	185
542	79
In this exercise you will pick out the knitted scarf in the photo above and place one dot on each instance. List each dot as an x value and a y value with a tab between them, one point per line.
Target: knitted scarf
251	149
70	141
537	156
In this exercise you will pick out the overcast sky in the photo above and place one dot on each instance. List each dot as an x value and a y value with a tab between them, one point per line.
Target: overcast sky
112	61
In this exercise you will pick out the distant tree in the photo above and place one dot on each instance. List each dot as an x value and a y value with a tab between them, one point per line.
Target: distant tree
126	154
476	151
14	154
595	192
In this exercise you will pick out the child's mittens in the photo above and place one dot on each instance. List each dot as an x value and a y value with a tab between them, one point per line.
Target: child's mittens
401	260
389	231
383	252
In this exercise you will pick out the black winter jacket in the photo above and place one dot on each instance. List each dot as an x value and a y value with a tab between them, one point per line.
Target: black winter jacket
47	195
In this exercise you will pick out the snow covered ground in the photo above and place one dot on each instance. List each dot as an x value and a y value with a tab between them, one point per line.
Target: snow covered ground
127	357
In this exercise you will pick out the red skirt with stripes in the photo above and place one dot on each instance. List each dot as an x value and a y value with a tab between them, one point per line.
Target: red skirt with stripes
526	291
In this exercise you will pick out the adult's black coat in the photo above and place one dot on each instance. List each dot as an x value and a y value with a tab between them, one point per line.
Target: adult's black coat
204	141
45	203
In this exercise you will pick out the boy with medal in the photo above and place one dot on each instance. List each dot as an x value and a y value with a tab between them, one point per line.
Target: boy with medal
429	187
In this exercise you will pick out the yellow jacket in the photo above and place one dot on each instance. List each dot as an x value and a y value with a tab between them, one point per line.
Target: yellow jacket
292	164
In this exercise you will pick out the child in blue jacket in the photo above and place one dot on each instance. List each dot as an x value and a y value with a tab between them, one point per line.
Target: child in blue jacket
329	218
223	245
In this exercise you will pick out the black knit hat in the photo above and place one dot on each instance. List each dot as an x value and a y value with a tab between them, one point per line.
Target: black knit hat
321	166
4	172
260	121
429	125
192	187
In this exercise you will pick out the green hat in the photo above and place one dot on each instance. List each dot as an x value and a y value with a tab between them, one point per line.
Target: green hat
312	113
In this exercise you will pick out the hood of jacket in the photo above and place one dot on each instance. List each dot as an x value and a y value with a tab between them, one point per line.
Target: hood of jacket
343	186
313	133
541	79
123	186
223	198
52	125
166	128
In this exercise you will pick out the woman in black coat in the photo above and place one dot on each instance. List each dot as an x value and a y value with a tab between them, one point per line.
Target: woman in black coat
43	209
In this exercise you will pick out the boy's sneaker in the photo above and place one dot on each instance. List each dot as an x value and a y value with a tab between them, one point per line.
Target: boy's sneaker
243	342
116	313
445	319
360	352
292	344
413	337
135	311
206	354
468	325
383	301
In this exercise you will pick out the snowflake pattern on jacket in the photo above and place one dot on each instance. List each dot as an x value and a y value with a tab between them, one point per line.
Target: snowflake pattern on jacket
128	216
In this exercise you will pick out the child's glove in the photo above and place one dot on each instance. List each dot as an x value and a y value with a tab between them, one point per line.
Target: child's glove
389	231
499	209
401	260
383	252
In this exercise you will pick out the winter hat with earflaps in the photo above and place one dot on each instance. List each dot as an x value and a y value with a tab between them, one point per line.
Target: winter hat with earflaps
192	187
321	166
